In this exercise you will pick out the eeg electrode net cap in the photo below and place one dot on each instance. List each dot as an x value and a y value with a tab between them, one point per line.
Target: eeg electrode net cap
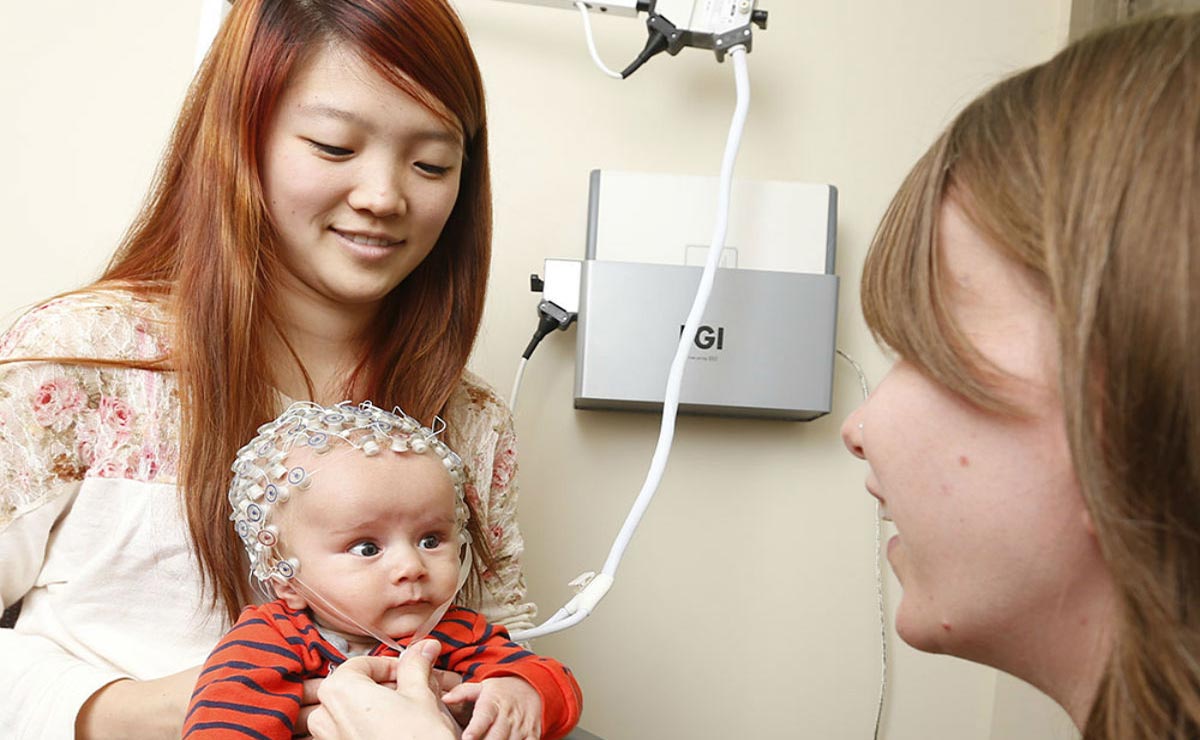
263	481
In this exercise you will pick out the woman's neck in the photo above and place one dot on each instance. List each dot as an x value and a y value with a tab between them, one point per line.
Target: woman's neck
1066	655
327	339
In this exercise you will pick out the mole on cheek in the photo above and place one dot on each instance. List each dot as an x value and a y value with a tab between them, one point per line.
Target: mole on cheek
963	461
946	626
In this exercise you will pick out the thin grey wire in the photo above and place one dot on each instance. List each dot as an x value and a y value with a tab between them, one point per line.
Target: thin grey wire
866	391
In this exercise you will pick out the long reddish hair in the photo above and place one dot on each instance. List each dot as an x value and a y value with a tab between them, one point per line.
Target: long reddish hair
203	241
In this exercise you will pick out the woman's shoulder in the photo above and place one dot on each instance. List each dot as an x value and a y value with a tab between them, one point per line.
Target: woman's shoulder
104	323
474	401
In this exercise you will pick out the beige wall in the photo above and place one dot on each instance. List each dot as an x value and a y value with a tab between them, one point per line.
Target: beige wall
746	605
1088	15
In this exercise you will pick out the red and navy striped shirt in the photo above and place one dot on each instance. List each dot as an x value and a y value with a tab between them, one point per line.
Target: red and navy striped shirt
251	685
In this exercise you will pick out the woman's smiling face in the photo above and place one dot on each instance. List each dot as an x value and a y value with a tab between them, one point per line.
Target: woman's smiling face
359	179
992	528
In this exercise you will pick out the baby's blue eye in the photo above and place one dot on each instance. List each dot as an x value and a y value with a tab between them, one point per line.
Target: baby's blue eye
365	549
429	542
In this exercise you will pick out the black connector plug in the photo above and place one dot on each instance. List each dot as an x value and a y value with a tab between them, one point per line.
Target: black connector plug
550	317
656	44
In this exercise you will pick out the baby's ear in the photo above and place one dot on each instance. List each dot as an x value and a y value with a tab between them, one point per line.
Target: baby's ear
285	590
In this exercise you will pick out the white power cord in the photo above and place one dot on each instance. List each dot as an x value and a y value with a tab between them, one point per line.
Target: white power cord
595	586
591	42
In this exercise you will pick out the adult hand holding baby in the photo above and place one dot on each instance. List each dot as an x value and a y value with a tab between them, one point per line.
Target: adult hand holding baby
441	682
355	706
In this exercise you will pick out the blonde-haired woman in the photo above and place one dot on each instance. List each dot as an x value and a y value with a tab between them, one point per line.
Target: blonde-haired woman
1037	443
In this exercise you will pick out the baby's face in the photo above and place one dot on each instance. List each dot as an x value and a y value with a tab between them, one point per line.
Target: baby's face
376	536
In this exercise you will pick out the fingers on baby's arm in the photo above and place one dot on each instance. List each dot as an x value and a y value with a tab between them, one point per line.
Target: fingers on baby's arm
463	692
378	668
446	680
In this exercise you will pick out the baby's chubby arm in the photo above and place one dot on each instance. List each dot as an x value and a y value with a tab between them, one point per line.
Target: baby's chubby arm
506	708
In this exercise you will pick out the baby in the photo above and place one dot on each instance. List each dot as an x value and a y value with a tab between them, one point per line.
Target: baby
355	519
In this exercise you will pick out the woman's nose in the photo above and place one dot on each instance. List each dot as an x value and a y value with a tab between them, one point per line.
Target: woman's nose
852	432
379	193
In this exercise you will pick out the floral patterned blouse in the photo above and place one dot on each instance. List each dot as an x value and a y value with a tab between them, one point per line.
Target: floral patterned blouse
93	539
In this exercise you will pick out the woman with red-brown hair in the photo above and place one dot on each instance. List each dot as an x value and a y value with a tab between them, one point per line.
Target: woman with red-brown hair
319	229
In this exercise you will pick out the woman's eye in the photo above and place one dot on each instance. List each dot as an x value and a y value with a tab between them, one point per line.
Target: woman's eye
431	169
429	542
365	549
329	149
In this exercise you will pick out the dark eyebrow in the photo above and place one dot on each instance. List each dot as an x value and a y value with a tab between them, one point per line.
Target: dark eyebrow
320	109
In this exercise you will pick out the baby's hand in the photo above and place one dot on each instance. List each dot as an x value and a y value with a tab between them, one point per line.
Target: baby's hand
506	708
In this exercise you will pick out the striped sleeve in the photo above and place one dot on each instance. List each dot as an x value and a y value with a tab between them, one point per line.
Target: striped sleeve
251	685
477	650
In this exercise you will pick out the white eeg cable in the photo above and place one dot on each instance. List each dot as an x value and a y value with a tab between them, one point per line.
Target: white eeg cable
591	41
596	586
883	654
315	598
862	377
512	397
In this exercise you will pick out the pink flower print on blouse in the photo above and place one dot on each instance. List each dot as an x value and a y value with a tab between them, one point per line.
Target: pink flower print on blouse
112	467
87	434
57	403
152	460
503	466
116	416
147	467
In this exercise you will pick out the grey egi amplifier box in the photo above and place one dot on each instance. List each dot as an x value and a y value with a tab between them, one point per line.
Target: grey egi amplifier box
765	347
766	344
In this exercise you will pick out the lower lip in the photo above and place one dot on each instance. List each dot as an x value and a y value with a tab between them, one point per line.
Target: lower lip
367	252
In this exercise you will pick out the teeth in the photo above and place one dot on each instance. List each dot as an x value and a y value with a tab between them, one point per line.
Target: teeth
368	241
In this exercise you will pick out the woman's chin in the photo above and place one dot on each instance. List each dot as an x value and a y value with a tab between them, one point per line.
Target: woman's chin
923	632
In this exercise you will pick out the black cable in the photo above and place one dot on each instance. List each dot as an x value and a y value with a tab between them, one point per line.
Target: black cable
546	324
550	317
